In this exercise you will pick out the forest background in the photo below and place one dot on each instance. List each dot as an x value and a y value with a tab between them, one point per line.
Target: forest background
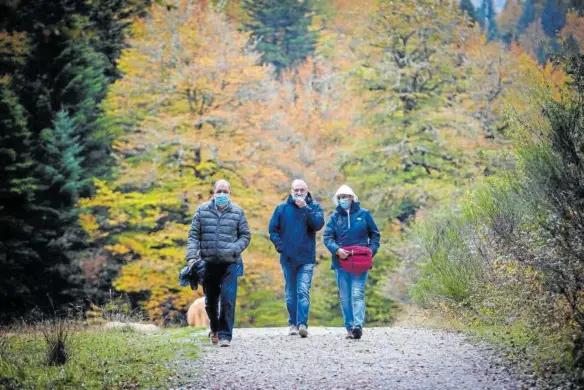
118	115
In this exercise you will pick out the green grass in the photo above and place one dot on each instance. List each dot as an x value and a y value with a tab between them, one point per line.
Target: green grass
107	359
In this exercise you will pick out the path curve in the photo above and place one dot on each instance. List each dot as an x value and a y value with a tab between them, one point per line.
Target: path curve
385	358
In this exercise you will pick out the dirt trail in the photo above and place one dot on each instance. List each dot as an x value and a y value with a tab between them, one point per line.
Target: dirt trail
385	358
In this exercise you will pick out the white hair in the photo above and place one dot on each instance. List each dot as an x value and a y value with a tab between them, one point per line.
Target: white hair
221	181
299	181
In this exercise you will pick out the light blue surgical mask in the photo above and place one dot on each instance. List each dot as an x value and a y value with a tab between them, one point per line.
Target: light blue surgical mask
221	199
345	203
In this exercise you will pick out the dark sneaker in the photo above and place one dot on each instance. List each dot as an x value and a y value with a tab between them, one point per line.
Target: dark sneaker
224	343
293	331
349	334
214	337
302	331
357	333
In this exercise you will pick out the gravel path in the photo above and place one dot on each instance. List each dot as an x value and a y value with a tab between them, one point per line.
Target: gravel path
385	358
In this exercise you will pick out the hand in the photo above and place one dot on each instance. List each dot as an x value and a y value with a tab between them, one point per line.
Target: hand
343	254
300	203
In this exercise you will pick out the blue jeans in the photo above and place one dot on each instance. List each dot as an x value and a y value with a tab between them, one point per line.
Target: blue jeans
220	287
298	278
352	293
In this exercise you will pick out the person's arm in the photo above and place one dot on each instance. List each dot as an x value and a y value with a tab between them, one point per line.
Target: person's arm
194	238
373	232
274	229
329	236
243	234
314	216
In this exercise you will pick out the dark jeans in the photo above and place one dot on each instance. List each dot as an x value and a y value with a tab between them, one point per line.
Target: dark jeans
220	287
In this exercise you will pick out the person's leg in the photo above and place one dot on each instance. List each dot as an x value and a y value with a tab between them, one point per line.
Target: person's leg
358	301
212	290
303	283
344	285
289	271
228	300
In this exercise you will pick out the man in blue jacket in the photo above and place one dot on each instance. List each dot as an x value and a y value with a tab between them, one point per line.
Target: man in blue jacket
293	230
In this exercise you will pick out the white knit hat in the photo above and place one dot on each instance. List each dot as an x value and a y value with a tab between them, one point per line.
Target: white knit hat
344	190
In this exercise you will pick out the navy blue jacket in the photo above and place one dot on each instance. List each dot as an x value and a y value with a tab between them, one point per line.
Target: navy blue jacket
293	230
356	227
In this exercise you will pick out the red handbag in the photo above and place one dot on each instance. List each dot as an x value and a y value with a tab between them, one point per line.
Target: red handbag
360	259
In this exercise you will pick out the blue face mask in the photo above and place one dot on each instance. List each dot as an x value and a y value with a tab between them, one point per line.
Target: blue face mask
345	203
221	199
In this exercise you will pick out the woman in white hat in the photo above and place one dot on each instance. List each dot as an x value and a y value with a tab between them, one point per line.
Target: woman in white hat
350	225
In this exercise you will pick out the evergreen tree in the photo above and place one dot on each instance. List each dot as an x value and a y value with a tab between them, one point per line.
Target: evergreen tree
60	55
110	19
487	19
282	29
17	188
527	17
491	23
468	7
553	18
578	6
62	171
80	86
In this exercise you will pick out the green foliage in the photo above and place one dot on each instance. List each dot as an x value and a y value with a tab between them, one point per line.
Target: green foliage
61	172
111	359
515	253
282	31
43	145
468	7
487	19
527	16
553	18
454	265
17	188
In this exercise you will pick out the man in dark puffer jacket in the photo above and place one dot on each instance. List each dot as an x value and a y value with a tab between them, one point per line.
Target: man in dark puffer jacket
219	233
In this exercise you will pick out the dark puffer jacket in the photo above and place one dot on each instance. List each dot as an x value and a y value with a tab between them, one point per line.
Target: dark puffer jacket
221	236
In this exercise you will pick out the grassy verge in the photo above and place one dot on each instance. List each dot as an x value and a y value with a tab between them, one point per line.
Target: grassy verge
105	359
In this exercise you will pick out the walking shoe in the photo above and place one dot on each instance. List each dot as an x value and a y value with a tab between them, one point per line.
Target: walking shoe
214	337
293	331
302	331
224	343
349	334
357	332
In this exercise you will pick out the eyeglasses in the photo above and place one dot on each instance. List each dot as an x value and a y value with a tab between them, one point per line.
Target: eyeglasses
344	197
299	190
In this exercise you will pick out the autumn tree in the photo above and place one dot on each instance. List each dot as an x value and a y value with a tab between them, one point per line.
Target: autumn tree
574	30
508	20
186	113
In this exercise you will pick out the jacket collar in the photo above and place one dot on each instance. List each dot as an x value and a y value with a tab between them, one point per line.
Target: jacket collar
355	206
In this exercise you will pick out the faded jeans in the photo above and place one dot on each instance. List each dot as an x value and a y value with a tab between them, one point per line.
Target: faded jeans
298	278
352	293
